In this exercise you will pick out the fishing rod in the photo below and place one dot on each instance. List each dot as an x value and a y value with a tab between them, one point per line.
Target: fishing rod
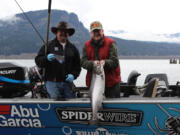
47	34
25	15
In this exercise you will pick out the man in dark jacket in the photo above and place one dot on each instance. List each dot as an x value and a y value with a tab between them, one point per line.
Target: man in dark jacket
61	63
101	49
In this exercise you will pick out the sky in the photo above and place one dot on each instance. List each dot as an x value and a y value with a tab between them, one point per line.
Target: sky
148	20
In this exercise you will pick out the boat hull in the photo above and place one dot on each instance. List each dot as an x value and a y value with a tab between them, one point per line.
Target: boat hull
119	117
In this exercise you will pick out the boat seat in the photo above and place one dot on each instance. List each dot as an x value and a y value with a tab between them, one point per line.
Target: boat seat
128	88
163	80
163	84
151	88
132	78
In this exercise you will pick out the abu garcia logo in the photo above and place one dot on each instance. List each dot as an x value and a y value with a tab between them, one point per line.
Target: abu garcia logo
19	116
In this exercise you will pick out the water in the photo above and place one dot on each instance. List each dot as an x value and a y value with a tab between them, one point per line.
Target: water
144	67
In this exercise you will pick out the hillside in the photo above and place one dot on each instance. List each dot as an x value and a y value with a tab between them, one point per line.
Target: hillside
17	36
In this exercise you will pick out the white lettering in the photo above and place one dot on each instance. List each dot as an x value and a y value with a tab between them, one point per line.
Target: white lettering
14	111
37	123
25	123
64	115
20	122
82	115
11	123
100	116
98	131
35	114
89	115
3	122
22	117
76	115
109	116
71	114
7	72
24	112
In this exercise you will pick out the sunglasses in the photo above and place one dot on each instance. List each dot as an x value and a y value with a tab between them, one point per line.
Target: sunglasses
96	30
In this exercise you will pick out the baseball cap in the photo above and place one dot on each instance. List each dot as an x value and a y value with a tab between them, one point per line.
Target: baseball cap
95	25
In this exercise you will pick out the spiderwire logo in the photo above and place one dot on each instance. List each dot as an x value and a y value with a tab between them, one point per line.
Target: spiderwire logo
120	117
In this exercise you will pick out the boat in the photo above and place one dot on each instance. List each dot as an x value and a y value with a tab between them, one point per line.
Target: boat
124	116
151	109
173	61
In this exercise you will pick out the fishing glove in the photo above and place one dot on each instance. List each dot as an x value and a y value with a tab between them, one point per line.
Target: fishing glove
70	78
51	57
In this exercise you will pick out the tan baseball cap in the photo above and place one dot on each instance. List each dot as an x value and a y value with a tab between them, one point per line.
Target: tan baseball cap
95	25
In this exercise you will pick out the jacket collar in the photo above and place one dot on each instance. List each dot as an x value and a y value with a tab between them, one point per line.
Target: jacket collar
97	44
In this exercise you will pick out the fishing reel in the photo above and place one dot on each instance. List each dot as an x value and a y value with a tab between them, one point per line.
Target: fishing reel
34	74
35	77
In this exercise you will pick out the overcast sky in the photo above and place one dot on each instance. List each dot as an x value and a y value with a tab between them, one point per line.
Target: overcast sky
151	20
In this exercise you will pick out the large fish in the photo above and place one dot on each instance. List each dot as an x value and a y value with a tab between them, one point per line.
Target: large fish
97	88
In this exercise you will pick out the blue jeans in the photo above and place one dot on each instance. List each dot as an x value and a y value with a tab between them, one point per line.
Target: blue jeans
59	89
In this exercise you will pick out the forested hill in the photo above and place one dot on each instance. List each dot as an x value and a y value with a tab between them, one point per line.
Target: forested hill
17	36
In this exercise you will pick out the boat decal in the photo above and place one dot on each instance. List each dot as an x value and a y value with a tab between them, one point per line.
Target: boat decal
5	79
4	109
99	131
66	130
172	123
19	116
6	72
119	117
44	107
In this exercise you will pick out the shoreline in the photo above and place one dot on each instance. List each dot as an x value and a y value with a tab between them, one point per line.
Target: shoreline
33	55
